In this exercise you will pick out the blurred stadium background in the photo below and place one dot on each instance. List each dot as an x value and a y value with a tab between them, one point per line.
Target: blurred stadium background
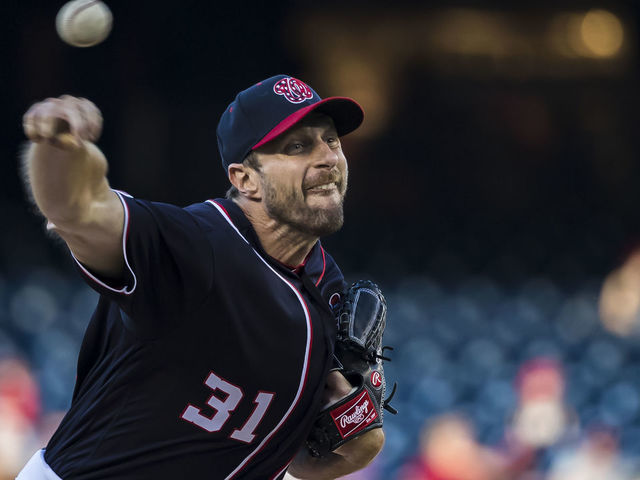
494	196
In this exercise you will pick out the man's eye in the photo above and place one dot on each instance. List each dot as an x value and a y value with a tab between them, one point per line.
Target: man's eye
295	147
333	141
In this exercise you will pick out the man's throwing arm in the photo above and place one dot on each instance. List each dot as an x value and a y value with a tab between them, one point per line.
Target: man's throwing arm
66	175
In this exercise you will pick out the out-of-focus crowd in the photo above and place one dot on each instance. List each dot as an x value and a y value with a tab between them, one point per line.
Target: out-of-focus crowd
24	427
543	440
518	382
449	450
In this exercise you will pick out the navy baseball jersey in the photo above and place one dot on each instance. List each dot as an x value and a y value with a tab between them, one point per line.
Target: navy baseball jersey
209	361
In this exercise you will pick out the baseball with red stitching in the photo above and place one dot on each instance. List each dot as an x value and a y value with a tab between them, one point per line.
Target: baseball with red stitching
84	23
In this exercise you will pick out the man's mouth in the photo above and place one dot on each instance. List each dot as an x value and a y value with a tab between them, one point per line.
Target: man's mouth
324	187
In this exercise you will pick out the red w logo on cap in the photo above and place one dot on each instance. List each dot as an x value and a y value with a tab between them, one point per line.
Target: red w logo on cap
293	90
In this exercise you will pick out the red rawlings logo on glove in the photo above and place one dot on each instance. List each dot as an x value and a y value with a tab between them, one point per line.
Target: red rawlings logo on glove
354	415
293	90
376	379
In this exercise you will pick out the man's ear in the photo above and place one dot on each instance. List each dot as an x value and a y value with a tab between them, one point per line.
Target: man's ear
246	180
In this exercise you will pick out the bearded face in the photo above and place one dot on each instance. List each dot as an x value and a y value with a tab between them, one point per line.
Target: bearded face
314	208
303	176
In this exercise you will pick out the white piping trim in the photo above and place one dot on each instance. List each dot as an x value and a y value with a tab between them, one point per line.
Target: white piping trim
307	347
125	232
282	470
120	192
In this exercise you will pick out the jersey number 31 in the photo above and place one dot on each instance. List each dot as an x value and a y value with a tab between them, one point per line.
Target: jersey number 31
224	409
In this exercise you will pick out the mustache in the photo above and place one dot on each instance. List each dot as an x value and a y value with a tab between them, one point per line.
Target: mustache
323	178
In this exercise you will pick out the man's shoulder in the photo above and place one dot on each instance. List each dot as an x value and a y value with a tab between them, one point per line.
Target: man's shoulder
169	216
200	209
206	214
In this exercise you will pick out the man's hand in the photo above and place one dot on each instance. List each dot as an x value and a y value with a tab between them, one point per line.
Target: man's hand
336	388
348	458
361	450
63	122
358	356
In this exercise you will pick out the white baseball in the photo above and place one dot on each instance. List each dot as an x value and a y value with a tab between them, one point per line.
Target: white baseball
84	23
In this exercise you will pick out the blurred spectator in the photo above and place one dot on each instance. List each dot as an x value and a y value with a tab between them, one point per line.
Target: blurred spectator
448	450
620	298
597	457
19	412
47	426
542	418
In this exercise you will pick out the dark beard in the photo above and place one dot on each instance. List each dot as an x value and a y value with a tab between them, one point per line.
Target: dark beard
288	208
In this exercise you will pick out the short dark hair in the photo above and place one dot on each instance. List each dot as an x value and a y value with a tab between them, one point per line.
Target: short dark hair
251	160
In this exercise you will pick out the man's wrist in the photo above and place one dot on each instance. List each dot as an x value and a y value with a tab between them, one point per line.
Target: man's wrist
362	450
348	458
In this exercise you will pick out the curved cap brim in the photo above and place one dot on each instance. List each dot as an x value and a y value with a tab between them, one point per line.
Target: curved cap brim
346	113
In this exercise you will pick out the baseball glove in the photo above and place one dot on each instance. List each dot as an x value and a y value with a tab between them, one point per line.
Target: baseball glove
359	354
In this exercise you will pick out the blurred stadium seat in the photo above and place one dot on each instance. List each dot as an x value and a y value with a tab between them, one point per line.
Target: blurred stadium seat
458	347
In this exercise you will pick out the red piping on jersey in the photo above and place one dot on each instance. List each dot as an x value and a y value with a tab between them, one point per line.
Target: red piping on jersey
307	314
294	269
225	210
324	266
279	472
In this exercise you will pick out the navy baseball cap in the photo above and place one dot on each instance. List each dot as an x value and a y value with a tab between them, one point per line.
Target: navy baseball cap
262	112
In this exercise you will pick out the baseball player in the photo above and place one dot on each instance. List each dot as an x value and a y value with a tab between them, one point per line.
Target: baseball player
210	349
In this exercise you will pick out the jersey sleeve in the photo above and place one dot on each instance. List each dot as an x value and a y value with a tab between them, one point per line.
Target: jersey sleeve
168	265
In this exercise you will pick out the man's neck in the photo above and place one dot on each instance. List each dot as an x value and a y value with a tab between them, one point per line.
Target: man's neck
282	242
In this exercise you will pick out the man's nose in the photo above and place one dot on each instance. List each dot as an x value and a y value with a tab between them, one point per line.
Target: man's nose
327	157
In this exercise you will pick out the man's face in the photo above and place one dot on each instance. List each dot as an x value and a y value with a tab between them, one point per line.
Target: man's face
304	177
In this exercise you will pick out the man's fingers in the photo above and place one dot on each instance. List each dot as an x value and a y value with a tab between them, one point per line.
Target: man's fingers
41	119
66	140
73	118
92	116
36	122
96	120
48	123
64	121
29	123
30	130
92	119
336	387
88	118
58	124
